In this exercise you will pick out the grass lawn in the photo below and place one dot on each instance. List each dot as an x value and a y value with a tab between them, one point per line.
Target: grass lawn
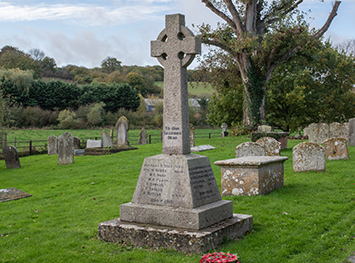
310	219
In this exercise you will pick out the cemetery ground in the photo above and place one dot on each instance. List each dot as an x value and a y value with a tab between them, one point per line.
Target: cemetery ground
310	219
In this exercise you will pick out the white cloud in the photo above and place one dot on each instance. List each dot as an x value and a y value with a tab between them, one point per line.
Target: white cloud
85	14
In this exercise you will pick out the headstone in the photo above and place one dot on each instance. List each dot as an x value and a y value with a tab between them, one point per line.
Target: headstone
52	145
224	127
308	156
339	130
10	194
272	146
106	139
264	128
192	135
175	189
122	127
66	148
11	157
249	149
318	132
352	132
93	144
336	149
76	143
143	137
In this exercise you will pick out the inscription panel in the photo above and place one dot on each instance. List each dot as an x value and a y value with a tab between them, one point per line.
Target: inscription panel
172	134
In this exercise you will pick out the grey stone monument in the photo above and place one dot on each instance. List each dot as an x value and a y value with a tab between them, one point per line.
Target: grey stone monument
106	139
224	127
76	143
52	145
249	149
308	156
66	148
352	132
122	128
11	157
175	189
192	135
93	144
143	135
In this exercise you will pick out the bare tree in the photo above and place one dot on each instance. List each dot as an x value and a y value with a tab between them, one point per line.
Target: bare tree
260	35
36	54
347	46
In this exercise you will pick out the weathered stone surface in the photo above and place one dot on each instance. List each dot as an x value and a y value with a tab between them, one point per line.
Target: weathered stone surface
272	146
252	175
66	148
192	135
143	137
308	156
184	240
202	148
264	128
76	143
52	145
339	130
319	132
93	144
336	149
11	157
122	127
178	191
175	48
10	194
281	137
249	149
106	139
224	127
352	132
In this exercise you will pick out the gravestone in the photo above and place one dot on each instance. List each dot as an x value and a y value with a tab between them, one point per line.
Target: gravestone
66	148
122	127
10	194
192	135
264	128
76	143
52	145
336	149
249	149
308	156
352	132
11	157
272	146
224	127
93	144
106	139
176	190
143	136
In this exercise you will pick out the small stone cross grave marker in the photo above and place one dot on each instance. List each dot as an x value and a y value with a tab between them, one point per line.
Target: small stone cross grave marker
175	48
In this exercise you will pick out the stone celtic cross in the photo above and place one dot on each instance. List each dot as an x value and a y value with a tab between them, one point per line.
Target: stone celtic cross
175	48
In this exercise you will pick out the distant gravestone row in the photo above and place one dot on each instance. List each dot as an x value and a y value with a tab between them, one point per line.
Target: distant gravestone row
319	132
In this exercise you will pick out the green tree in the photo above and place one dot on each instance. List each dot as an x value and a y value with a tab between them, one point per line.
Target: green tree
136	81
313	88
110	65
260	36
96	114
48	64
21	80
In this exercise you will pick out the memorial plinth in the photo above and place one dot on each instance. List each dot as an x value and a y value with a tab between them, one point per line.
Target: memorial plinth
176	199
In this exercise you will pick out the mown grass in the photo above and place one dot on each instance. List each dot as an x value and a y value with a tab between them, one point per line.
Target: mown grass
310	219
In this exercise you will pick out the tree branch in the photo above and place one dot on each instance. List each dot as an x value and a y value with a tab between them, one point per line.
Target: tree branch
222	15
236	17
285	12
219	44
331	16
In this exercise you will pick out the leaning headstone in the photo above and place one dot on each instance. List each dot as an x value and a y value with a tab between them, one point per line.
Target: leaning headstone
176	198
224	127
143	137
93	144
308	156
192	135
264	128
66	148
11	157
76	143
352	132
122	127
52	145
249	149
106	139
272	146
336	149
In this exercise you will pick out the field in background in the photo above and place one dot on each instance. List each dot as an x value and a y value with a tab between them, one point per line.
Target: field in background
198	90
310	219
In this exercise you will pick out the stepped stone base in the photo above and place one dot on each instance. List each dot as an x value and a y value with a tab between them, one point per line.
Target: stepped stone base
184	240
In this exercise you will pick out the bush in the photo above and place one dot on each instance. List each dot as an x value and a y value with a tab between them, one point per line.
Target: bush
66	119
96	114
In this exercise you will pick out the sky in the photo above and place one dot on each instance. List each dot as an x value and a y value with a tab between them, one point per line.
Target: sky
85	32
